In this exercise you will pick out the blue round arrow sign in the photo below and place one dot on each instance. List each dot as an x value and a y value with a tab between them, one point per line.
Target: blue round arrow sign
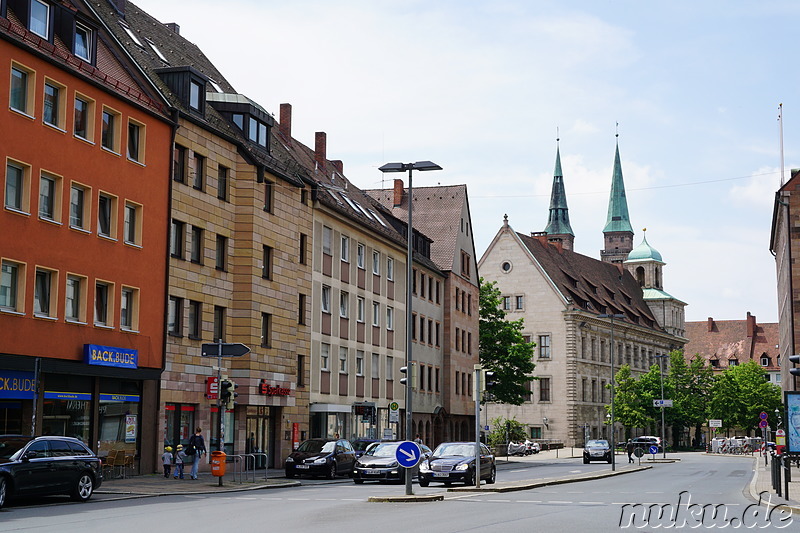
407	454
654	449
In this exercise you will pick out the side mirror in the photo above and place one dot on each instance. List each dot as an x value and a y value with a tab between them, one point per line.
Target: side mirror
30	454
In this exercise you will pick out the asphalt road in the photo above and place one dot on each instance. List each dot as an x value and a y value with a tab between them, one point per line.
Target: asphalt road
599	505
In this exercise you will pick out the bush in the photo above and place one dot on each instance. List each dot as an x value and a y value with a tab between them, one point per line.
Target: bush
505	430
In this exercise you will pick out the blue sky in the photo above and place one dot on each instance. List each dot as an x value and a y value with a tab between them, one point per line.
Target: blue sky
482	88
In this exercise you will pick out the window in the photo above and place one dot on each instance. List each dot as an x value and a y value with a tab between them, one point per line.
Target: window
109	136
179	163
301	309
465	263
437	329
344	304
42	291
103	300
301	370
133	224
131	34
303	246
390	269
176	247
197	245
128	315
196	90
421	377
360	309
345	249
324	356
376	366
40	19
266	262
16	186
83	42
222	183
360	255
327	236
376	317
458	299
195	319
175	316
519	301
78	206
47	197
135	141
156	50
222	249
11	275
376	263
506	303
219	323
326	299
266	330
359	362
75	310
84	125
544	346
269	196
53	109
390	318
765	360
544	389
389	368
21	87
733	362
342	359
199	172
438	287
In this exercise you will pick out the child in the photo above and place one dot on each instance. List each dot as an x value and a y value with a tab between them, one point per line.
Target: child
166	460
180	457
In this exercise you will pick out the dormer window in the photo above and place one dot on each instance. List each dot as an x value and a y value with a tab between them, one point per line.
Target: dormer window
83	43
196	91
40	19
258	132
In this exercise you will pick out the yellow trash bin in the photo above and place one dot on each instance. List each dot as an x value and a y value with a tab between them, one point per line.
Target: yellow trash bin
218	463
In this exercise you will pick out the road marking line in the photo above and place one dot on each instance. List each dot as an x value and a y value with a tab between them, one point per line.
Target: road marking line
245	498
558	501
591	503
519	470
298	499
352	499
529	501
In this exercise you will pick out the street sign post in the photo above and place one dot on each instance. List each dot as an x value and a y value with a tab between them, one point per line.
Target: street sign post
653	450
225	349
394	413
715	423
662	403
407	454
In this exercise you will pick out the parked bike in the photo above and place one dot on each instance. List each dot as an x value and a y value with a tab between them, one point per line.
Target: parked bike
518	448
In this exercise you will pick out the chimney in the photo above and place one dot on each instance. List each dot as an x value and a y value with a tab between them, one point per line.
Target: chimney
285	126
174	27
751	324
339	166
398	193
320	146
710	324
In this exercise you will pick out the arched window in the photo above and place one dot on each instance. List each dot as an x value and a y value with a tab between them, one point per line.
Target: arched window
658	278
640	276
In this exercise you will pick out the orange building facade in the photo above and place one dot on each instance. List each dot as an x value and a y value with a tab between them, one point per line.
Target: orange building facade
86	162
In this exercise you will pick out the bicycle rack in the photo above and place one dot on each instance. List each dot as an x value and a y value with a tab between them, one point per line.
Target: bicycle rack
244	466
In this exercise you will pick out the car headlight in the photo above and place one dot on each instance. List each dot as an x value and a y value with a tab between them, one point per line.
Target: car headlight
462	467
289	460
424	467
321	461
394	465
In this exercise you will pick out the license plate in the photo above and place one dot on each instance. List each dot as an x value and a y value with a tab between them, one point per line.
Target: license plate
441	474
372	472
304	467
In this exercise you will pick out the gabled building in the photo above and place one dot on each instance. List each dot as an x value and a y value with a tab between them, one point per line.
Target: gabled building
84	142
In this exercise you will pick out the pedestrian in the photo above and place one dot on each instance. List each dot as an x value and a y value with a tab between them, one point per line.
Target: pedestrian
629	448
336	435
180	457
196	448
166	460
418	439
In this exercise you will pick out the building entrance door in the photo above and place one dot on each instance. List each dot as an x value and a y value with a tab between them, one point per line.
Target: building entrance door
257	439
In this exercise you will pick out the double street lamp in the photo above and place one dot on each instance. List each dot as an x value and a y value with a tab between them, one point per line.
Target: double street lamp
613	389
663	434
410	167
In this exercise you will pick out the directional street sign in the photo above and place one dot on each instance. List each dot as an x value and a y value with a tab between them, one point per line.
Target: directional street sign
662	403
229	349
653	450
407	454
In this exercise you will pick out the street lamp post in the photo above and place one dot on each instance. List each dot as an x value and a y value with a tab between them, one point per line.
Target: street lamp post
410	167
613	389
663	433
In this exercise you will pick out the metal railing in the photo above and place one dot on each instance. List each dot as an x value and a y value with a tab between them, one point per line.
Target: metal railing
245	466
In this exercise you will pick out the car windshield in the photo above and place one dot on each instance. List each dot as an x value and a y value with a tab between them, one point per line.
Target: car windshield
317	446
597	444
462	450
387	449
361	445
11	445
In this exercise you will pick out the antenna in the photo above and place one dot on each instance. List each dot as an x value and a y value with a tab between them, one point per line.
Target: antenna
780	128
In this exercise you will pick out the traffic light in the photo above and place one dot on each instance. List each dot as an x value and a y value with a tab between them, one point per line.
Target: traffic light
227	392
487	380
408	375
231	403
796	360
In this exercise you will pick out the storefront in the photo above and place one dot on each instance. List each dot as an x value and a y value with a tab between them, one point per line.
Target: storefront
360	420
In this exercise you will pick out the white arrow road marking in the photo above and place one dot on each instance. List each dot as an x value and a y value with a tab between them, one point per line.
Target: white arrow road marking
410	455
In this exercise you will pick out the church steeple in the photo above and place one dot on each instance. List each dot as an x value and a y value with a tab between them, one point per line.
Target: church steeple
618	233
558	228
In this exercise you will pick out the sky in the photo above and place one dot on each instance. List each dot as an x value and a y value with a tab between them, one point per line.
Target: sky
485	89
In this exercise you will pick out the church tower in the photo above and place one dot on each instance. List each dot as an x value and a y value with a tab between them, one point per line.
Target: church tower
618	233
558	228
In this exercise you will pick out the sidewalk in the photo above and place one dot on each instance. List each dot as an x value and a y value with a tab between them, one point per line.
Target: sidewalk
762	483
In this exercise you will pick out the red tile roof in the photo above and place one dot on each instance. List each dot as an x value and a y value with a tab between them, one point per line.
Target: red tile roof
723	340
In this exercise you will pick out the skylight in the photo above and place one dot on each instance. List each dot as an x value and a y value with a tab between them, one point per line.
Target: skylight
156	50
130	33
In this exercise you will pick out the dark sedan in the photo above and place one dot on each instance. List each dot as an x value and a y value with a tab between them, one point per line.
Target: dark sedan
379	463
455	461
41	466
321	457
596	450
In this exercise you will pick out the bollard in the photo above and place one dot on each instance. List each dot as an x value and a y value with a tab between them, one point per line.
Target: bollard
787	476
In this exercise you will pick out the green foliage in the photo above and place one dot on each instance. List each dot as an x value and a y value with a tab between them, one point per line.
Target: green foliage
503	349
630	409
739	395
505	430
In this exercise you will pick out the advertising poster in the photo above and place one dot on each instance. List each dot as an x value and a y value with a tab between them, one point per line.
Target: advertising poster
130	428
792	401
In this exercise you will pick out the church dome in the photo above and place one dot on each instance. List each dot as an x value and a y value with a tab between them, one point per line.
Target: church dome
644	252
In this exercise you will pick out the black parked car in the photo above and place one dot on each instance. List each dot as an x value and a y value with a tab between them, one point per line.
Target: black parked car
360	445
321	457
455	461
596	450
40	466
379	463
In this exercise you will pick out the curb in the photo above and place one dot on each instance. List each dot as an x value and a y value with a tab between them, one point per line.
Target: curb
758	497
408	498
125	495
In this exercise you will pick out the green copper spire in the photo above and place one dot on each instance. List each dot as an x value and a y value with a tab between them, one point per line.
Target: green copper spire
618	218
558	221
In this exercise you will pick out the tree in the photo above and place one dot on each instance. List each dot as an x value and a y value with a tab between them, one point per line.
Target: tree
690	389
503	349
740	394
506	430
629	408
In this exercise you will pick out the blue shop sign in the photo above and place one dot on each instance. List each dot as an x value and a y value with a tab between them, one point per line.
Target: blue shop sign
54	395
17	385
119	398
110	356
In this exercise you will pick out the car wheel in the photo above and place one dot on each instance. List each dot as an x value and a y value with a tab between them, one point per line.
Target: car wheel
492	477
424	482
470	480
3	489
358	481
83	488
331	471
